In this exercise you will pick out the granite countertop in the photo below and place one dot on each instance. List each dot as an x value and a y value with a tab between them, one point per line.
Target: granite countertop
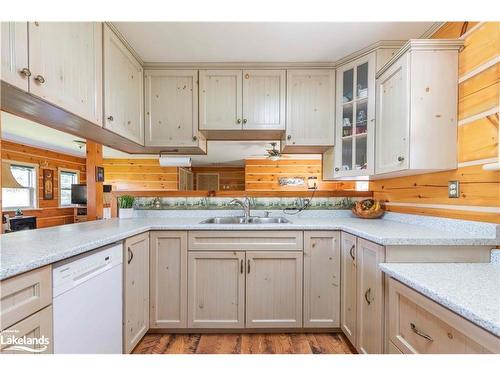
27	250
469	289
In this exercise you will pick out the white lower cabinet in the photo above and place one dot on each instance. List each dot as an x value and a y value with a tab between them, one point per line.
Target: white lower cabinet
348	284
362	300
418	325
136	290
216	289
370	299
274	289
168	279
35	328
321	279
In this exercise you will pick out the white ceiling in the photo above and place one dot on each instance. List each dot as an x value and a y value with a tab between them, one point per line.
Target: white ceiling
221	152
20	130
260	41
17	129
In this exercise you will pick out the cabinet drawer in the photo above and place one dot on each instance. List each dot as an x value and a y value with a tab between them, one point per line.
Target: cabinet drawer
37	329
21	296
421	326
246	240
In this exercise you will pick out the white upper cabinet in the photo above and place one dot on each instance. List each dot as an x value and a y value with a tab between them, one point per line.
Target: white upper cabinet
355	118
221	99
416	109
123	90
264	99
14	44
310	110
242	99
393	125
171	98
65	60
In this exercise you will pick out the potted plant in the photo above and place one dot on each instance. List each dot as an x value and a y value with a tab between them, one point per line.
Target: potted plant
125	205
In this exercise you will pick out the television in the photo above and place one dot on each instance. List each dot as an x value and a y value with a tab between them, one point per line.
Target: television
78	194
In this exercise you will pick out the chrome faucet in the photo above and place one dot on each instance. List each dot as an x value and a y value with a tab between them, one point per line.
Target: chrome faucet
245	204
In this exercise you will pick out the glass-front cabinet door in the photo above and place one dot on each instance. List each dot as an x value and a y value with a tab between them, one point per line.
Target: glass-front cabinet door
355	118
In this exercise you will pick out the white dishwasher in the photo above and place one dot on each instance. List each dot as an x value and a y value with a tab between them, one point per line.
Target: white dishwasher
87	292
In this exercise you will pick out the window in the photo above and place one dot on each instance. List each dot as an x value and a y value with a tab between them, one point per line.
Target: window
66	178
24	197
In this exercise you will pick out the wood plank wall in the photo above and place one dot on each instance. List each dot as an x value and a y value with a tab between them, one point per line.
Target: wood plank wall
139	174
263	175
48	212
478	108
230	178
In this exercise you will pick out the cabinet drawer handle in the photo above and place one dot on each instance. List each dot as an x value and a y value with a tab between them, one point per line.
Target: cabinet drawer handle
25	72
241	266
110	118
238	121
130	255
288	137
248	266
401	158
421	334
40	79
351	252
245	120
367	295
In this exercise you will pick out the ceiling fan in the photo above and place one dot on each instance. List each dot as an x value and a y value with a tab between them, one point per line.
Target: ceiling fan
274	153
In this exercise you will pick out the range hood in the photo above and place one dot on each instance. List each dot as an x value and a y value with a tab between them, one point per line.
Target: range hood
8	180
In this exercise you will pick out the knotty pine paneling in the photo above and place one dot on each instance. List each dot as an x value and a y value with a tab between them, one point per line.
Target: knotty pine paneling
230	178
263	175
139	174
477	140
48	212
482	45
453	30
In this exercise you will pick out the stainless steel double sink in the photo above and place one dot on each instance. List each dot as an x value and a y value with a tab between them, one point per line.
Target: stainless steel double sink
243	220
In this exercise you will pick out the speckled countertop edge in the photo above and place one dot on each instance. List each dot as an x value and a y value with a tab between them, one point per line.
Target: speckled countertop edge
445	300
119	229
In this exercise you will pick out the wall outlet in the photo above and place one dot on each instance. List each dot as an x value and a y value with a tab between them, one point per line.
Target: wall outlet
453	189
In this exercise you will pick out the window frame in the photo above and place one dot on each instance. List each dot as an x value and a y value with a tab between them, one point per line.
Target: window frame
34	190
59	186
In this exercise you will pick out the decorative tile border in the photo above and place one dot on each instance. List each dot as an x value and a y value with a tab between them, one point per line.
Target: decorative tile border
218	203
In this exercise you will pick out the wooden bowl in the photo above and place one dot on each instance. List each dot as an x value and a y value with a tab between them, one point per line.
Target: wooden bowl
365	209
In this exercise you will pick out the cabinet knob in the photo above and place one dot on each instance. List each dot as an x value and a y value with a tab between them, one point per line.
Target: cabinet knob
244	120
401	158
110	118
337	169
25	72
288	137
39	79
195	138
238	121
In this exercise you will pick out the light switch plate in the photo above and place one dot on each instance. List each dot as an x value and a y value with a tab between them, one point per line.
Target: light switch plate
453	189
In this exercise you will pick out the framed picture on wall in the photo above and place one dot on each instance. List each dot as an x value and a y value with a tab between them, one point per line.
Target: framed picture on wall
48	184
99	174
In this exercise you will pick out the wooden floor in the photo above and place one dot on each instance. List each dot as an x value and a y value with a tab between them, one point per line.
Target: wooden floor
248	343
